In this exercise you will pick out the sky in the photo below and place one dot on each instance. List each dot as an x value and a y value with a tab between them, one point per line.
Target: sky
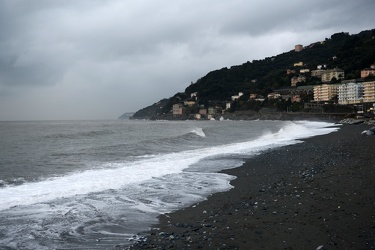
97	59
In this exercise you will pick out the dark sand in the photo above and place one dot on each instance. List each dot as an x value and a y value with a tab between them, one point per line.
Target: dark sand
319	194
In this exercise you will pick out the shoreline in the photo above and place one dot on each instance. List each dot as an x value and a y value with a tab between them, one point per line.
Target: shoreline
318	194
263	114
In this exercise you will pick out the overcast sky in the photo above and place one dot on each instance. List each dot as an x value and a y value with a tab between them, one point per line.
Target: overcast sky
96	59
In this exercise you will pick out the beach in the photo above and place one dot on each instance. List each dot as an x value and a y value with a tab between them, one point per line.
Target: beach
318	194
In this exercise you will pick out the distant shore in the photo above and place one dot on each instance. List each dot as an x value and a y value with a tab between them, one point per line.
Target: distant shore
263	114
318	194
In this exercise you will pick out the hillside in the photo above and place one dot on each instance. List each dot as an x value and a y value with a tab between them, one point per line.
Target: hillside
350	53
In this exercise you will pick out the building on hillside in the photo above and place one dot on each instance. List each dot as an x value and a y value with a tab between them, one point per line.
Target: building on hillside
274	95
212	111
367	72
236	97
337	73
298	48
228	105
301	78
194	96
317	73
177	109
350	93
305	90
296	98
369	91
290	71
189	103
253	96
260	99
325	92
295	80
302	71
299	64
203	111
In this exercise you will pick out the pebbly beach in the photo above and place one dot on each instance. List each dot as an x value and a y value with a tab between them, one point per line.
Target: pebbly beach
318	194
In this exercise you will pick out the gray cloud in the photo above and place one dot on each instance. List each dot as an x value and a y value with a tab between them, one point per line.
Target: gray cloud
93	59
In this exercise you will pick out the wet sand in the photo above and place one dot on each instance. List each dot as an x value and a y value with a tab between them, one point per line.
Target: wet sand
319	194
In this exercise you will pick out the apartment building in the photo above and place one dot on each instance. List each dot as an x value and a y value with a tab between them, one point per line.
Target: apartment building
369	91
328	75
325	92
350	93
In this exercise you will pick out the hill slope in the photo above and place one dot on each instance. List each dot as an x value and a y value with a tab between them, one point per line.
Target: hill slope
348	52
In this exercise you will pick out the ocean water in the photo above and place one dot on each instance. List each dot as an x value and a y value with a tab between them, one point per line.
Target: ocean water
96	184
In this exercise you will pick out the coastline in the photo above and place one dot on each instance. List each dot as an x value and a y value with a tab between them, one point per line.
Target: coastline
314	195
262	114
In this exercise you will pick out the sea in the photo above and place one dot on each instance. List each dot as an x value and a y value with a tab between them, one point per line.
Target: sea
98	184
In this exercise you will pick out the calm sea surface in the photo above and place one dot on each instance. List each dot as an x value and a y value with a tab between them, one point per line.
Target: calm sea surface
95	184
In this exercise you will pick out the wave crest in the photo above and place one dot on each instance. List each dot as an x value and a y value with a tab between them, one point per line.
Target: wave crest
199	132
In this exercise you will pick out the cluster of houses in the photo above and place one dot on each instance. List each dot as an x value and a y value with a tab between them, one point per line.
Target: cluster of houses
326	75
347	92
355	91
203	113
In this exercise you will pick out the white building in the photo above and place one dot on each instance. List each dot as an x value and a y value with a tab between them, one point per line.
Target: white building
351	93
302	71
273	95
194	94
236	97
228	105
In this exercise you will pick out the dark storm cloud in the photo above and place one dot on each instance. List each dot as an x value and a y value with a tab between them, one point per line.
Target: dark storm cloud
96	59
264	17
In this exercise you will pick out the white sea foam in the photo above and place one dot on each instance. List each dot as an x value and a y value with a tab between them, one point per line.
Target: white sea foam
119	175
199	132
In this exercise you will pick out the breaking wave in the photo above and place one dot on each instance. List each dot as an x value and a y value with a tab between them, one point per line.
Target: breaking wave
199	132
